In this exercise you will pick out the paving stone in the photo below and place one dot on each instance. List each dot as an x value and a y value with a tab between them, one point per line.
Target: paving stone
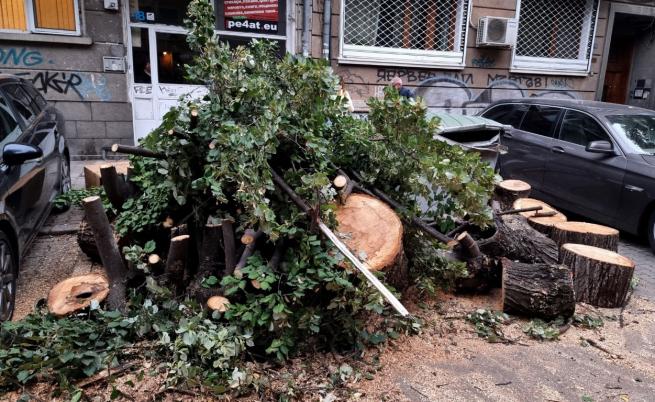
644	260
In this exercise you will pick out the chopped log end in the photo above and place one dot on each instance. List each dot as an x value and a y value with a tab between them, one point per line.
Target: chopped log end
168	223
340	181
584	227
218	303
588	234
255	284
154	259
516	186
90	199
542	223
114	147
194	112
212	145
248	237
180	238
171	132
371	229
77	293
106	166
600	255
469	246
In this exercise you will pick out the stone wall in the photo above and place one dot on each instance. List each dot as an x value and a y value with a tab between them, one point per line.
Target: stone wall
68	71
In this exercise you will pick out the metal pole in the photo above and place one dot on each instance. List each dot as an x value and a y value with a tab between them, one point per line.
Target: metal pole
306	29
327	25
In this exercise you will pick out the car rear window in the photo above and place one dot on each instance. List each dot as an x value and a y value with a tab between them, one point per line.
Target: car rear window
510	114
541	120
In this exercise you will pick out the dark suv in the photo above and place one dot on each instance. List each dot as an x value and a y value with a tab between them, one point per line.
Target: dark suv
34	169
591	158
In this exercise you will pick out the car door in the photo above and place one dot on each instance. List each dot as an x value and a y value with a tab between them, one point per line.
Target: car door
586	183
24	195
529	146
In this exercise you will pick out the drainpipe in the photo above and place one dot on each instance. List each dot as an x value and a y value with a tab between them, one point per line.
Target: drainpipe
327	25
307	20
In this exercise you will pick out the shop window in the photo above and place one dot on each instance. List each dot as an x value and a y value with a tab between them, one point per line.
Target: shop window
555	36
412	32
166	12
40	16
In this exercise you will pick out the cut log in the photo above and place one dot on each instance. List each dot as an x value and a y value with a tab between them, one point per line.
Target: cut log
77	293
508	191
600	277
107	247
218	303
468	247
229	247
542	223
537	290
92	172
588	234
137	151
374	233
517	240
210	260
114	185
87	242
176	262
247	252
340	181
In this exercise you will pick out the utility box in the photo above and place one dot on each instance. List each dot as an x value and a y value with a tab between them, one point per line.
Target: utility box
113	64
111	5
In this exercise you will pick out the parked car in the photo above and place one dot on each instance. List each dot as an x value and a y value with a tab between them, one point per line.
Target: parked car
594	159
34	169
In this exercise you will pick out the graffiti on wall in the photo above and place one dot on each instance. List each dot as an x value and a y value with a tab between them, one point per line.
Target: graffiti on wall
66	84
21	57
459	92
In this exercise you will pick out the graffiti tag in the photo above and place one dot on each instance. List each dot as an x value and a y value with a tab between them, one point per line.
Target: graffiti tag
20	57
483	62
409	75
58	82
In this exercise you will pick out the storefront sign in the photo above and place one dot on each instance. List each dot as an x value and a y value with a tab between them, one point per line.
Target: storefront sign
259	16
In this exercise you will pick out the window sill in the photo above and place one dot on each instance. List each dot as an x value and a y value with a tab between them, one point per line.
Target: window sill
548	66
45	38
379	56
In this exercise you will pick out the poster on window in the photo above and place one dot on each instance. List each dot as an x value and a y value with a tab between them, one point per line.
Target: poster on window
260	16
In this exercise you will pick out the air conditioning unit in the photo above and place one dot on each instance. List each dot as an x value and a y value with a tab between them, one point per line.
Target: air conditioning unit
497	31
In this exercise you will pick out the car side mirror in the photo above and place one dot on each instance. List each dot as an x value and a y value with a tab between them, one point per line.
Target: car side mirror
14	154
600	147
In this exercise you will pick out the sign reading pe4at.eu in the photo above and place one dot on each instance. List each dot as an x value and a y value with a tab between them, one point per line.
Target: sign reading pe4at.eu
259	16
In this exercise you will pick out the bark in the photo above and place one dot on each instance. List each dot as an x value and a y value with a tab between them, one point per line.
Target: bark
114	185
468	247
517	240
248	251
87	242
537	290
138	151
508	191
278	253
210	257
601	277
107	247
345	186
586	233
176	262
229	246
77	293
483	274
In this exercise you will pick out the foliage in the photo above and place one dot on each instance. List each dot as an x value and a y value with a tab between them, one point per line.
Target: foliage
488	324
544	331
75	197
588	321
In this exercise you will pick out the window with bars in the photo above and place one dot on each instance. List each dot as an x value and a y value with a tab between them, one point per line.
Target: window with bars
555	35
411	32
40	16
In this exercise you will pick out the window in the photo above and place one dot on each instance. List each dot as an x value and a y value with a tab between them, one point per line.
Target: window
40	16
507	114
541	120
168	12
579	128
411	32
9	127
23	103
39	102
555	36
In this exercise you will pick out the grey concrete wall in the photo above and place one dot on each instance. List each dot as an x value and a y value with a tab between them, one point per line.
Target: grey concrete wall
70	75
642	68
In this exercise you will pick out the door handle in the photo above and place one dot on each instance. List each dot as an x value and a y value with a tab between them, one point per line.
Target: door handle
557	150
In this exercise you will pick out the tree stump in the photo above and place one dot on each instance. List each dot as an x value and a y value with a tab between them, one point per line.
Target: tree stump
87	242
600	277
588	234
77	293
508	191
537	290
542	220
374	233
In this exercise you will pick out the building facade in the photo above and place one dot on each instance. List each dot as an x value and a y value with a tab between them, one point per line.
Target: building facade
114	67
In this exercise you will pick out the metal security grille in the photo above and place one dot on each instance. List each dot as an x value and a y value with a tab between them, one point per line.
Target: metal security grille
561	29
408	24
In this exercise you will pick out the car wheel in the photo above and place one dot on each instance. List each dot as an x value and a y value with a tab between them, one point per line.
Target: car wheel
8	274
66	184
651	231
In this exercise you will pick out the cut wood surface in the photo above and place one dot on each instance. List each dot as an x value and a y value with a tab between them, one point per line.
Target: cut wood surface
92	171
114	184
586	233
537	290
600	277
218	303
544	224
76	293
508	191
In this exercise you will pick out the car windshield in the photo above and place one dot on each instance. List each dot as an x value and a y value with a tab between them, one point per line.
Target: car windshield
638	129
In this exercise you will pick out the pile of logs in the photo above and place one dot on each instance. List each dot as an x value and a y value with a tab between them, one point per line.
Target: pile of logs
543	263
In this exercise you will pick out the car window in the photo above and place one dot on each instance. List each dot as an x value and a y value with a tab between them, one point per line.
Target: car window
511	114
9	127
579	128
23	103
541	120
38	99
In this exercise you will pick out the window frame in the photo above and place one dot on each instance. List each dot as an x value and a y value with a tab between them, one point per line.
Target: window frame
513	105
556	125
383	56
31	28
551	65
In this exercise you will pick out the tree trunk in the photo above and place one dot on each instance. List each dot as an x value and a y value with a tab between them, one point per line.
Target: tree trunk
508	191
542	220
176	262
229	246
483	272
601	277
517	240
537	290
87	242
588	234
107	247
374	233
114	185
250	242
77	293
210	261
